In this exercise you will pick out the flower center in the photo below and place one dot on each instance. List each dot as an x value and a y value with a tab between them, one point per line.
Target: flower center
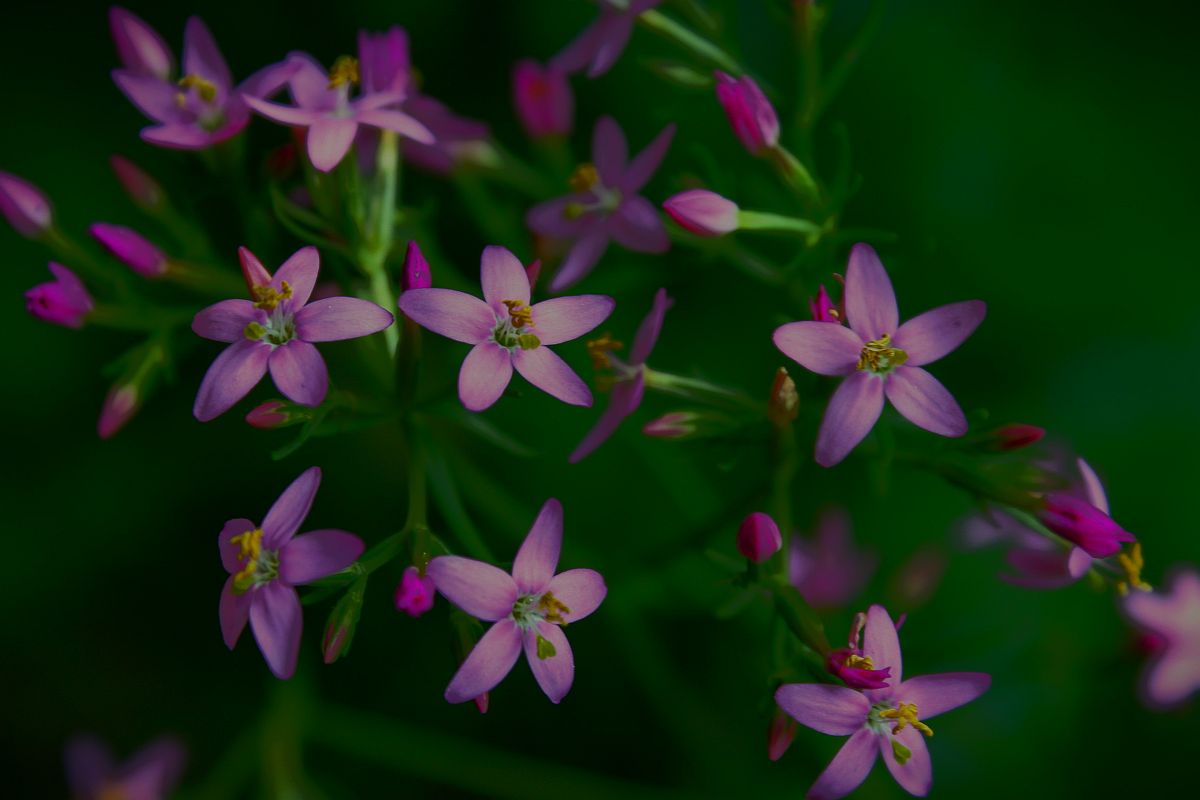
904	714
205	89
513	329
279	330
530	609
267	298
585	179
344	71
260	567
880	357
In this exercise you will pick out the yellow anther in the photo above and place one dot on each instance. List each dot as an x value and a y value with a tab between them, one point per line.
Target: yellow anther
345	70
545	648
858	662
598	350
1132	564
254	332
553	608
880	356
520	314
267	298
583	178
906	714
204	87
249	548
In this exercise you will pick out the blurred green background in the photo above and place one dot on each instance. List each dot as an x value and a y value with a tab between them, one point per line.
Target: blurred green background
1040	156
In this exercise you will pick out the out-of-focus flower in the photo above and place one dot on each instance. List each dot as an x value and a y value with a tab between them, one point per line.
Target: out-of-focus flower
829	570
750	112
146	193
25	206
672	425
605	205
151	774
1173	671
880	356
265	563
528	608
508	332
702	212
600	44
131	249
414	595
64	301
758	537
542	96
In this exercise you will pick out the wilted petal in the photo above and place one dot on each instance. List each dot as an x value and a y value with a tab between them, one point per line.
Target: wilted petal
649	329
937	694
230	378
202	58
818	346
636	226
848	769
329	140
870	301
915	775
881	643
580	590
924	402
316	554
479	589
485	374
624	401
491	659
643	167
852	412
289	510
835	710
398	122
535	562
564	318
609	151
336	318
226	321
554	673
581	259
299	372
455	315
503	277
545	370
929	336
276	621
234	612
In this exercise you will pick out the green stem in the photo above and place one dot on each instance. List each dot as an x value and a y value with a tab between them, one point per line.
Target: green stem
694	43
795	174
808	30
849	59
766	221
784	473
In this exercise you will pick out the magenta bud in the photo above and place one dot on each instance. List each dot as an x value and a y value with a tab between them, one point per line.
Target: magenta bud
271	414
533	271
140	48
252	270
145	192
414	595
780	733
121	403
856	671
1016	436
481	703
702	212
823	308
1082	524
416	274
130	248
758	537
673	425
750	112
543	99
25	206
64	301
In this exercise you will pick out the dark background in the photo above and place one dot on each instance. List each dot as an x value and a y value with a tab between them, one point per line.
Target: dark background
1040	156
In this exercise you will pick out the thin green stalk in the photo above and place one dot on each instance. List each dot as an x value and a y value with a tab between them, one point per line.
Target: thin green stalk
670	29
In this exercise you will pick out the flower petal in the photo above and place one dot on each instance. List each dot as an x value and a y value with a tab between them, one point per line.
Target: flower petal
881	643
477	588
1092	487
491	659
643	167
316	554
620	406
924	402
455	315
562	319
551	218
650	328
336	318
835	710
154	770
609	151
229	550
544	369
820	347
230	378
636	226
937	694
397	121
309	84
153	97
234	612
225	321
284	115
289	510
852	412
329	140
610	43
580	590
141	49
1169	679
848	769
299	372
1043	569
179	137
276	621
929	336
485	374
581	259
554	673
870	302
202	58
915	775
300	271
535	562
503	277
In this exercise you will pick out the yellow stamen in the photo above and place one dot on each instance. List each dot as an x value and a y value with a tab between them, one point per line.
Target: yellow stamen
879	356
858	662
598	350
520	314
254	332
545	648
267	298
345	70
553	608
249	548
205	88
583	178
1132	564
906	714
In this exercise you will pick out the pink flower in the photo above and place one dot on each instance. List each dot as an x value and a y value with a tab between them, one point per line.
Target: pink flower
750	112
605	204
528	608
1173	672
64	301
414	595
628	377
543	99
151	774
702	212
600	44
887	722
758	537
275	331
828	570
508	332
130	248
880	356
25	206
265	563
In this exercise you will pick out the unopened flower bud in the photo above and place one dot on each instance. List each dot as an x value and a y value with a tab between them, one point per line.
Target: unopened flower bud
750	112
131	248
542	96
1082	524
784	403
702	212
416	273
1015	436
253	271
414	595
25	206
144	365
269	415
758	538
780	734
823	308
146	193
343	620
673	425
120	405
64	301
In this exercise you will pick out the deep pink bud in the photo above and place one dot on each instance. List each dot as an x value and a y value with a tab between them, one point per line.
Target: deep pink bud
414	595
145	192
416	274
130	248
702	212
65	301
1016	436
121	403
750	112
481	703
543	99
780	734
533	271
25	206
1082	524
823	308
252	270
140	48
856	670
672	425
758	537
343	620
271	414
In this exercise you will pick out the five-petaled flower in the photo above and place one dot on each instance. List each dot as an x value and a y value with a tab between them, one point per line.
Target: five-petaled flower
508	332
880	356
150	774
265	563
1173	672
604	204
275	331
528	608
888	721
600	44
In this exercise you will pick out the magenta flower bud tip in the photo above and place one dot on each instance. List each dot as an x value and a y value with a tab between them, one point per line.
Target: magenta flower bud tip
416	273
64	301
253	271
119	407
130	248
332	641
749	111
779	735
673	425
533	271
140	48
25	206
141	188
702	212
270	414
414	595
542	96
758	537
823	308
481	702
1082	524
1016	436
